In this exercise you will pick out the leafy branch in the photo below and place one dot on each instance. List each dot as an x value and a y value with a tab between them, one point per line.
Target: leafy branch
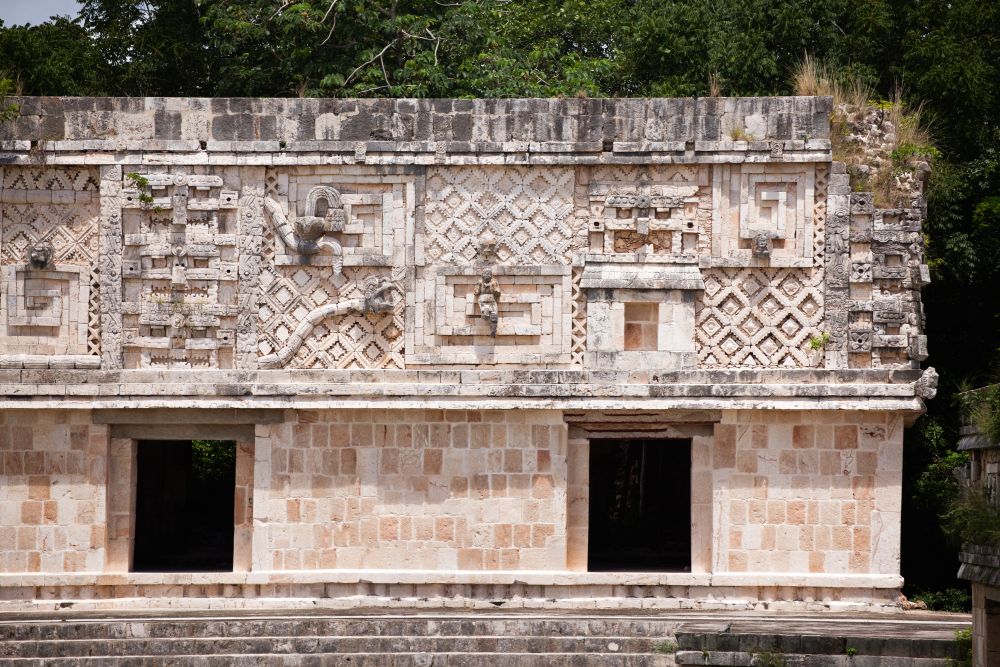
141	183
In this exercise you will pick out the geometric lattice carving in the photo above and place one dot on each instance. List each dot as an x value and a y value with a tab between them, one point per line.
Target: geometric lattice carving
821	187
579	320
59	207
758	317
71	230
353	340
526	211
370	211
51	179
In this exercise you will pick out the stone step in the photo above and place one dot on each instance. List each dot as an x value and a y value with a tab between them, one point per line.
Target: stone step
328	645
784	643
195	627
771	659
359	660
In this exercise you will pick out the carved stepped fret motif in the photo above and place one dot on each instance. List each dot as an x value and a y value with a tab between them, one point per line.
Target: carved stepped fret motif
49	309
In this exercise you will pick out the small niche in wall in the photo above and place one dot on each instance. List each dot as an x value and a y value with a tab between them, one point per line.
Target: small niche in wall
641	324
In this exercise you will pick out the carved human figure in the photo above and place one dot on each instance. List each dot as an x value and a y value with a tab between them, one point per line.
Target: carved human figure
40	255
487	294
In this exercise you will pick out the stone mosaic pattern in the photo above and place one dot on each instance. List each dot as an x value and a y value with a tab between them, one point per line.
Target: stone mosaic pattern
526	211
557	209
660	210
350	341
875	270
776	201
59	207
180	270
423	489
517	222
377	209
759	318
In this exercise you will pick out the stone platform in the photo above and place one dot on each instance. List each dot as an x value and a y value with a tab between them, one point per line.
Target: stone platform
441	637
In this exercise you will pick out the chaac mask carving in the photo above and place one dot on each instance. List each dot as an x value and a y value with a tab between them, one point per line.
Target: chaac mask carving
40	255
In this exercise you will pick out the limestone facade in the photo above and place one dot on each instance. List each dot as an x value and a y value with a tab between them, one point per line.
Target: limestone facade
415	317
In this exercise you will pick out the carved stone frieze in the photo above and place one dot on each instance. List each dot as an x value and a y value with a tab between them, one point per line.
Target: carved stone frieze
709	254
875	271
761	318
312	285
49	249
180	269
763	215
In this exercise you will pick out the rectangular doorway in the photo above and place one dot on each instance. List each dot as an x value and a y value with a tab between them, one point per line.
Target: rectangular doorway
184	519
640	506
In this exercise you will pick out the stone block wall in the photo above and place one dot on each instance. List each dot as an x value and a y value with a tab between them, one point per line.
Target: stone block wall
810	492
416	489
52	492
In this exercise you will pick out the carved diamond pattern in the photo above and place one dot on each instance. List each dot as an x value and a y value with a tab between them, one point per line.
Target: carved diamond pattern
51	178
819	215
527	211
71	228
579	311
753	318
349	341
72	231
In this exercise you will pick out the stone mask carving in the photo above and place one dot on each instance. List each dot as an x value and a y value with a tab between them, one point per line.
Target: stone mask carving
762	245
40	255
378	296
324	214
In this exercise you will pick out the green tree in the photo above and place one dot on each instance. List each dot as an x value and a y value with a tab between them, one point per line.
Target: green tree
53	58
148	47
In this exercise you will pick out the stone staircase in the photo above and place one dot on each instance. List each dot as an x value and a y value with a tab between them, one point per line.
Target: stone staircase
424	639
742	644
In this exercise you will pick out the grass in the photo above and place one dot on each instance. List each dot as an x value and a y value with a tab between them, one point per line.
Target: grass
714	89
665	646
854	102
9	111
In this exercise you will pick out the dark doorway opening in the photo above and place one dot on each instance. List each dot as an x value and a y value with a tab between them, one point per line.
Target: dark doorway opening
184	506
640	506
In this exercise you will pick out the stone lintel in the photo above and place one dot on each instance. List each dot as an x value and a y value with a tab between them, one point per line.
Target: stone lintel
183	431
187	416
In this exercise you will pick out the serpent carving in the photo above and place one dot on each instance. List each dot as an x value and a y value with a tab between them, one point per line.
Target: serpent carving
311	231
377	299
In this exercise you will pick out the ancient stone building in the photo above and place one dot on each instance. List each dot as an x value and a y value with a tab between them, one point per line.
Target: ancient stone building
646	352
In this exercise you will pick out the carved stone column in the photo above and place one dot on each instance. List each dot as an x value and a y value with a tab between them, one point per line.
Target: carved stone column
110	267
838	265
251	241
